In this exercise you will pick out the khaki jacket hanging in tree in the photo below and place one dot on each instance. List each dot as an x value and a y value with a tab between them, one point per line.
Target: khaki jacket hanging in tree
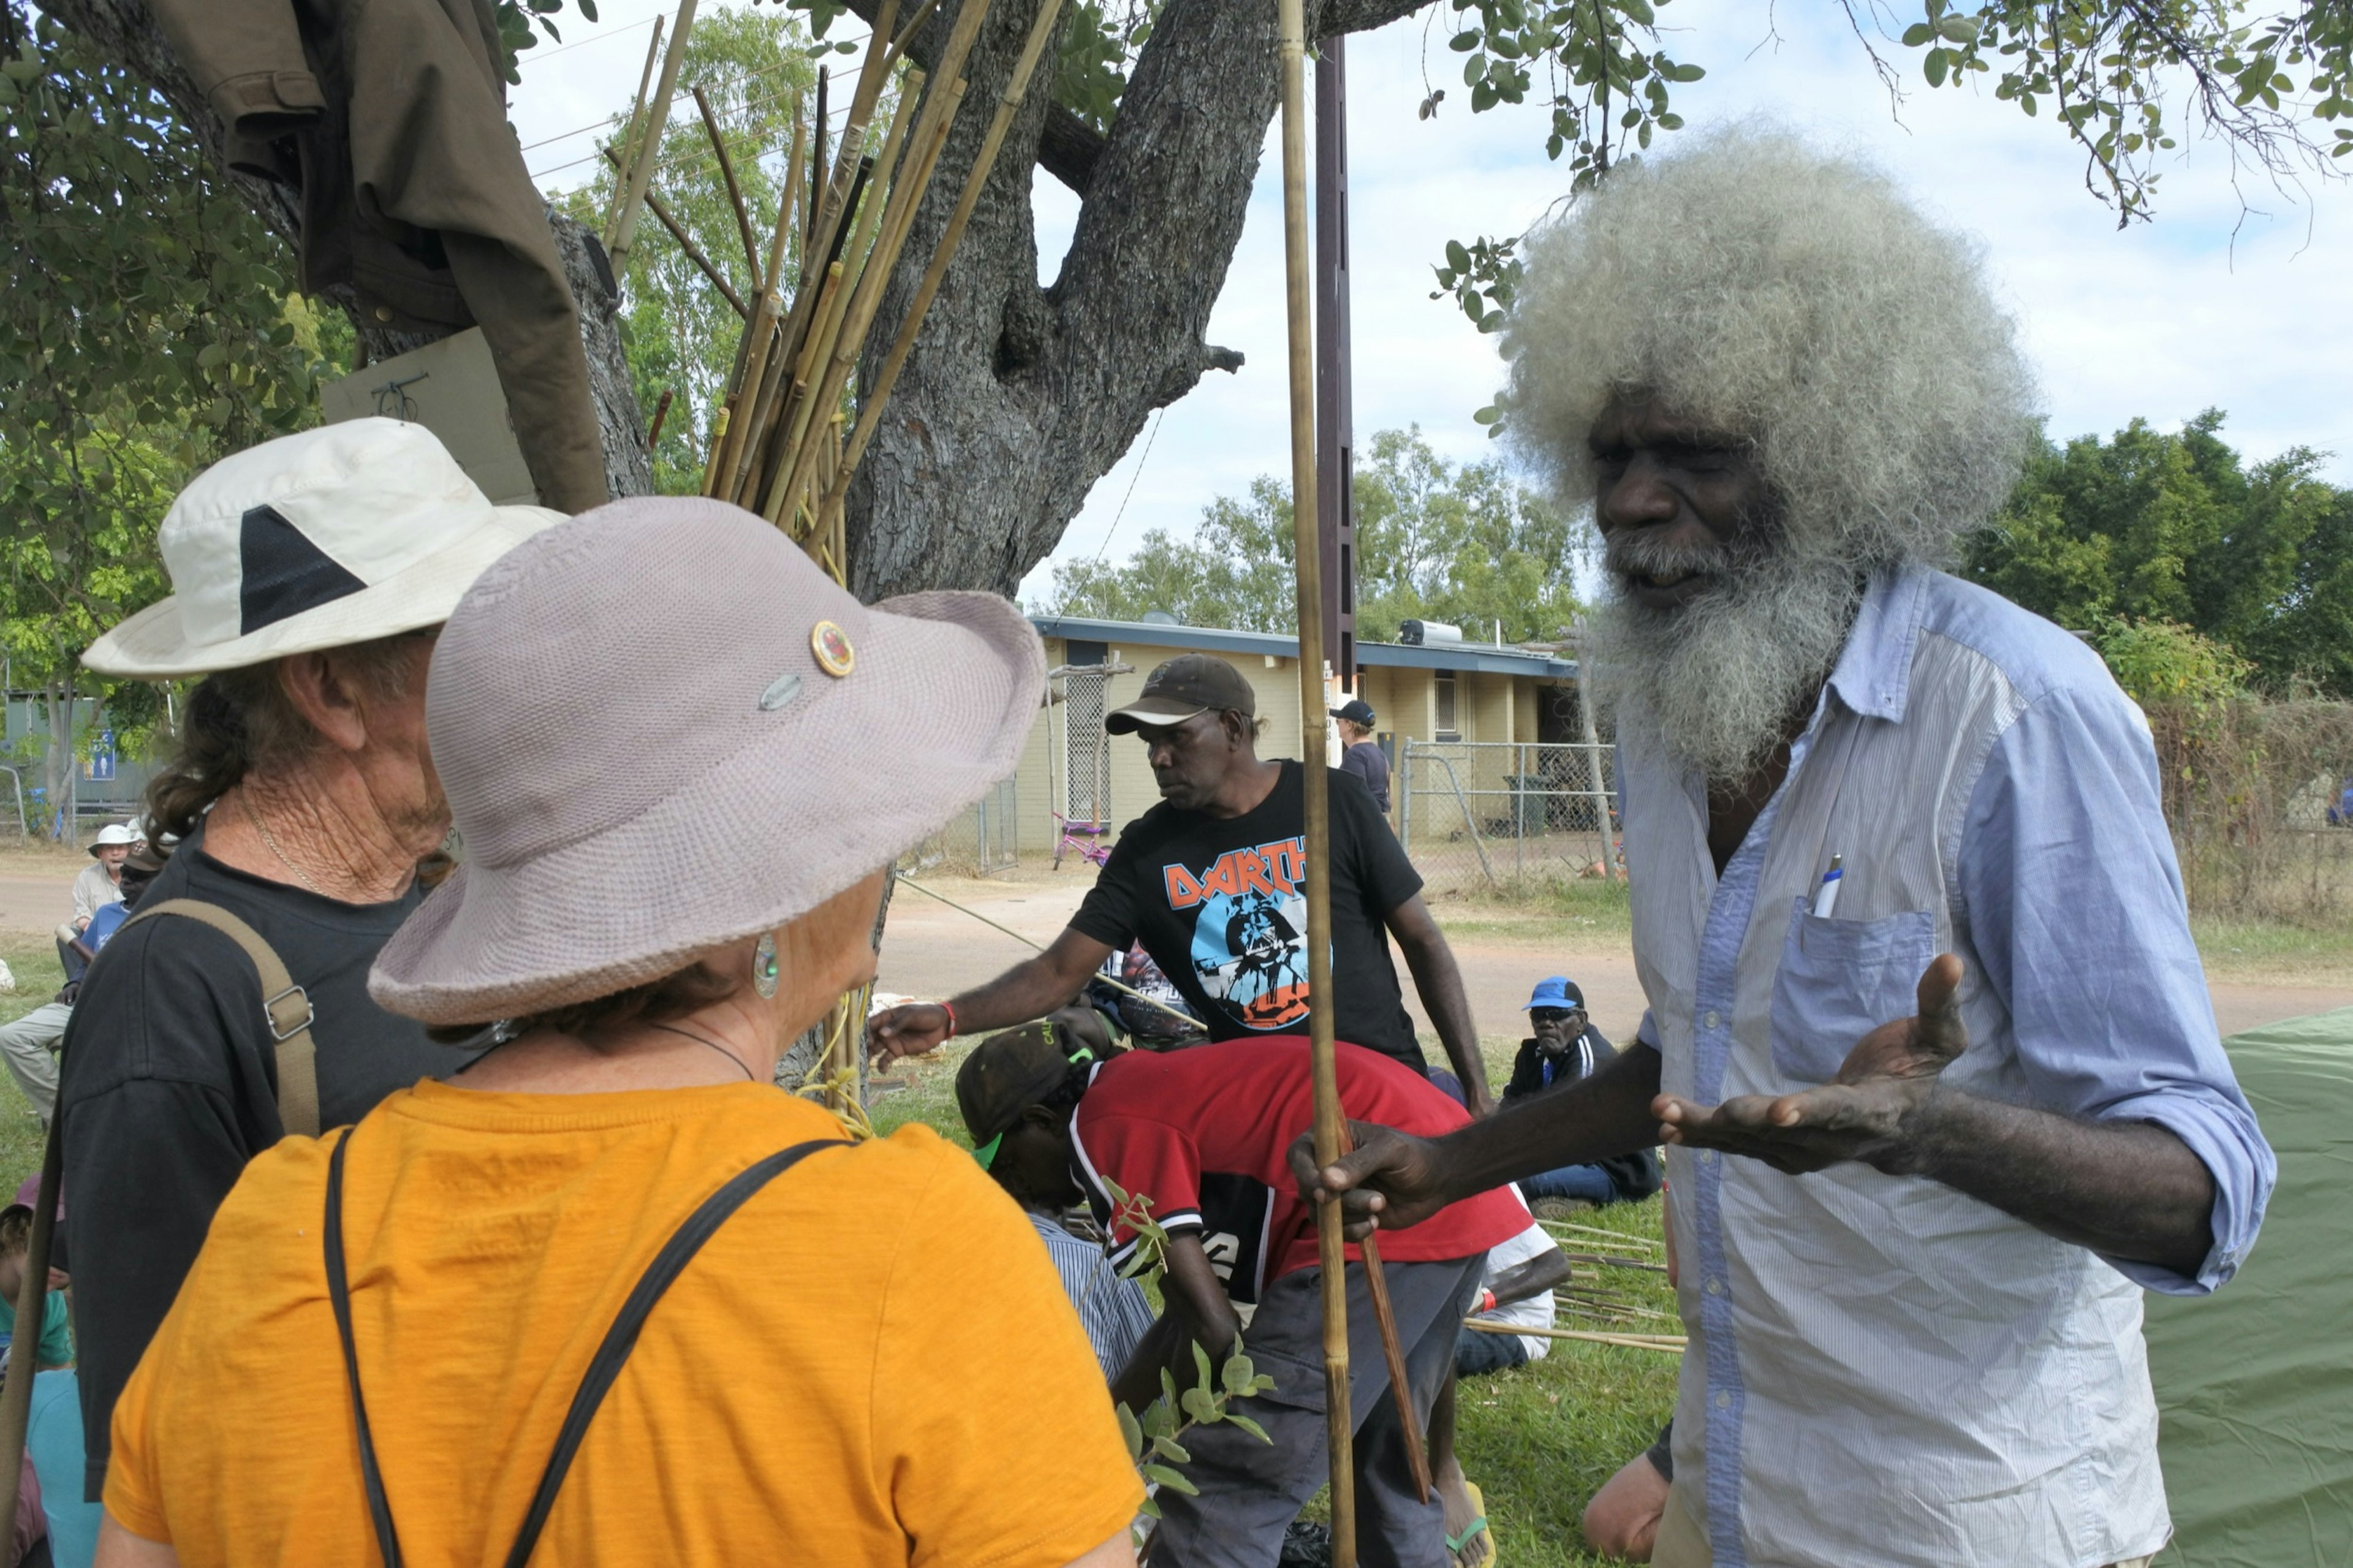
389	117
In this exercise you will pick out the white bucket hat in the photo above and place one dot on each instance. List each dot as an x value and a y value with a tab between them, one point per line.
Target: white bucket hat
662	729
338	535
112	834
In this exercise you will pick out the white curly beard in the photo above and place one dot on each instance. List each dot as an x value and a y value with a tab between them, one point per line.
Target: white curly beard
1719	677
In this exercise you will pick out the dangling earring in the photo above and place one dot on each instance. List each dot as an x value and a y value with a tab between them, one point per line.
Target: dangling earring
764	967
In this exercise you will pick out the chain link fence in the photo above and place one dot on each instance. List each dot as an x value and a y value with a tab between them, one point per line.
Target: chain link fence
2259	798
1494	813
978	843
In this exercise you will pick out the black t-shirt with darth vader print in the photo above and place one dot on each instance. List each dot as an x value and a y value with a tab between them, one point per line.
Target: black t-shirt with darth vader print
1221	903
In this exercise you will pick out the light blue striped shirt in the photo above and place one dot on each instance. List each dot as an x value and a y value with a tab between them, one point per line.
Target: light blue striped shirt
1112	1309
1881	1369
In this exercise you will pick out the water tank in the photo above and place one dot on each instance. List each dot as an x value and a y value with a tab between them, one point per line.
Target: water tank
1160	618
1419	633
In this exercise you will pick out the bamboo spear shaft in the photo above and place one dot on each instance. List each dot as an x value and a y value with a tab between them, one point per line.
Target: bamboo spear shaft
686	244
752	351
871	399
641	172
1330	1124
32	1303
630	134
734	191
881	241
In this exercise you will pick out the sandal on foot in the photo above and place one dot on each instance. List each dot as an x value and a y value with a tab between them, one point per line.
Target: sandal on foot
1457	1544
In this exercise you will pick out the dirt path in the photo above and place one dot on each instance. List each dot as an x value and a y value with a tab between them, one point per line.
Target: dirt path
931	949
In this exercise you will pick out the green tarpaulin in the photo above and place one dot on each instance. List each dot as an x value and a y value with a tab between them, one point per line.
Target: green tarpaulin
2254	1384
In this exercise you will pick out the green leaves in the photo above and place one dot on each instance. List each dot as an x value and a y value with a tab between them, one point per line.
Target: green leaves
2113	69
142	334
1482	277
1434	540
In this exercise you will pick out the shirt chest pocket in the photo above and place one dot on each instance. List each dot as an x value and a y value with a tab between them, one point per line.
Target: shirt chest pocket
1839	980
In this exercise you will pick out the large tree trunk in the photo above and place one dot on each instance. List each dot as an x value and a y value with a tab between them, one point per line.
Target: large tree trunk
1017	398
123	29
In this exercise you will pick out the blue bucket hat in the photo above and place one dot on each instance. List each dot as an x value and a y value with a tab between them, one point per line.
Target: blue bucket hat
1555	991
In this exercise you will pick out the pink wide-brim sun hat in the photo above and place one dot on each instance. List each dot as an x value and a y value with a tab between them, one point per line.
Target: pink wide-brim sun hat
662	730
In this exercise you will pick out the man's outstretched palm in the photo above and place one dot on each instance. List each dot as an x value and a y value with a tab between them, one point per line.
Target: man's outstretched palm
1860	1115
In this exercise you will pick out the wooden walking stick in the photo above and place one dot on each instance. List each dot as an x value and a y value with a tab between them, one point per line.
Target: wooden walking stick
24	1357
1331	1122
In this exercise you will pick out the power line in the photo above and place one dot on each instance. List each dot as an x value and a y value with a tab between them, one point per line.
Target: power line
1157	415
533	57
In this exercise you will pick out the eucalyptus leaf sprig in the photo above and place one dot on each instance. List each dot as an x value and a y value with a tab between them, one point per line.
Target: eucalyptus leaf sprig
1152	1437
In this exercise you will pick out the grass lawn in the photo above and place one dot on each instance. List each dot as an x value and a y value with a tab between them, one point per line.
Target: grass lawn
1538	1440
34	962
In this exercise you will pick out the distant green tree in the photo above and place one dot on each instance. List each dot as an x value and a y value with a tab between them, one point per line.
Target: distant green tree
2180	530
145	332
1434	541
678	333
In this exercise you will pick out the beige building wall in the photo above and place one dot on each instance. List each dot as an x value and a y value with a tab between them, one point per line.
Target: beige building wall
1489	707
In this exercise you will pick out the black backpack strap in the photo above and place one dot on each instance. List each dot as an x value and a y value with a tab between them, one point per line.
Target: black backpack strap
603	1367
339	1291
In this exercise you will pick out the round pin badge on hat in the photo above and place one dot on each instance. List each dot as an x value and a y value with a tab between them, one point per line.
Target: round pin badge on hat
830	645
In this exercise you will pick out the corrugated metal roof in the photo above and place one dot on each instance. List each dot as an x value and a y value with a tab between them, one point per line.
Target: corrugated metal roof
1487	658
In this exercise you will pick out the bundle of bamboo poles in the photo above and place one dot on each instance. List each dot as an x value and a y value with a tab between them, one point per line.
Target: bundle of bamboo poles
783	444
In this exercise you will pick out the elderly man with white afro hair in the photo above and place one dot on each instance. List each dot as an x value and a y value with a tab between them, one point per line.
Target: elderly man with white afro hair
1927	1038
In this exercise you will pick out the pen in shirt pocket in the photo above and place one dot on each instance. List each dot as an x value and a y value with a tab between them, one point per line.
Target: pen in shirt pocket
1826	896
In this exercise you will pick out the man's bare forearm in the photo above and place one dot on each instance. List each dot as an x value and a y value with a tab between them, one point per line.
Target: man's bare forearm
1599	1116
2128	1189
1030	989
1439	983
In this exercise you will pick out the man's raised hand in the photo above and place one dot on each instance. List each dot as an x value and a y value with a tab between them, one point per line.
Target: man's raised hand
1390	1181
1861	1115
908	1030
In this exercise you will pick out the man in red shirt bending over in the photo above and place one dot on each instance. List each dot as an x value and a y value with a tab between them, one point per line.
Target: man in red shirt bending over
1197	1139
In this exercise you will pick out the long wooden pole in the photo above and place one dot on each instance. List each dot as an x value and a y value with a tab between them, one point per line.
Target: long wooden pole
734	190
641	172
629	134
871	400
1330	1124
32	1303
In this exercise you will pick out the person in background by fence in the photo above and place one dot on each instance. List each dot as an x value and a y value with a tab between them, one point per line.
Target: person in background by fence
1213	881
309	575
1563	1048
28	1044
1928	1039
1359	753
99	885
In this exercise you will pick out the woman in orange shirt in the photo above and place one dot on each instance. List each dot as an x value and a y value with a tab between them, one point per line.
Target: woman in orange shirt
607	1295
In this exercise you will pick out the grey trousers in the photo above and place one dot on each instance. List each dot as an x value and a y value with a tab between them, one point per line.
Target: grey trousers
1250	1490
27	1044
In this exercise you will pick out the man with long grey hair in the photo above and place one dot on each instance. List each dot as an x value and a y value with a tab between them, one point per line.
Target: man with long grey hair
1906	910
311	576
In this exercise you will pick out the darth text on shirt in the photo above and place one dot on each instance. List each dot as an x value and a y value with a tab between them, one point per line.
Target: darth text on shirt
1221	903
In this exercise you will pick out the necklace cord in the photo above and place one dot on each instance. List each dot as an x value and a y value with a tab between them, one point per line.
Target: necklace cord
715	1044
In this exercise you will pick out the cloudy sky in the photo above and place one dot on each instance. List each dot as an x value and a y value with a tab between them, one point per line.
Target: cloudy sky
2235	297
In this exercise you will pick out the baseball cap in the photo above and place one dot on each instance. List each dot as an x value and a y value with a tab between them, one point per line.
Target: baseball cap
1009	1072
1188	684
1356	710
1555	991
